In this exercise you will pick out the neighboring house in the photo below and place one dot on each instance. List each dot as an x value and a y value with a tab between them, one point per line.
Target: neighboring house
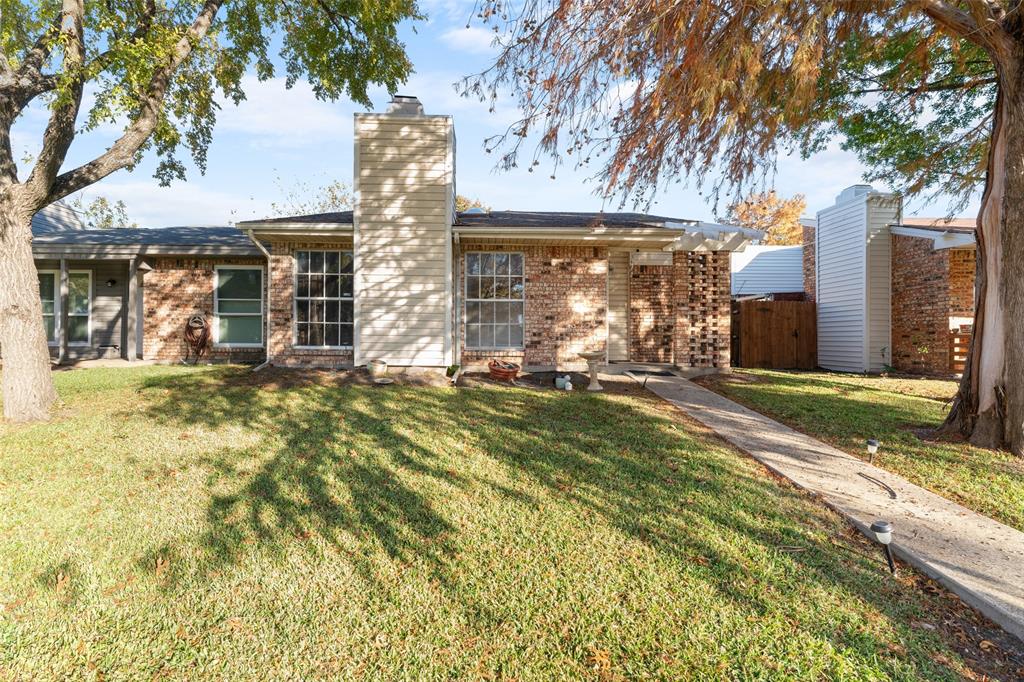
889	291
768	271
402	278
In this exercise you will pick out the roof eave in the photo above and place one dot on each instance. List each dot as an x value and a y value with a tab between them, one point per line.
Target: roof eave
263	226
952	239
523	231
87	251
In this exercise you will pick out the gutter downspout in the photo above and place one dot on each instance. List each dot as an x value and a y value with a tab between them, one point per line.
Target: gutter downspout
266	342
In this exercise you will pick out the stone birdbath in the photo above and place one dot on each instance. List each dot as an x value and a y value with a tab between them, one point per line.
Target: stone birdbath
592	360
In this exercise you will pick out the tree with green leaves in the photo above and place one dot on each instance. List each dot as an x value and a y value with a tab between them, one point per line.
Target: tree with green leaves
103	214
156	67
928	93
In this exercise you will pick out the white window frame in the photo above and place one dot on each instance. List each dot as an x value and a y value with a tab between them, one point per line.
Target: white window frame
296	298
217	314
466	299
88	321
55	274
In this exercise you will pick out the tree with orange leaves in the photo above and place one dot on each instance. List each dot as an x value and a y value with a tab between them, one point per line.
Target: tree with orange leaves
778	218
928	93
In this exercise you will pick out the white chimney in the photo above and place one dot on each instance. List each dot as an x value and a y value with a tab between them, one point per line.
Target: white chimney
405	105
852	192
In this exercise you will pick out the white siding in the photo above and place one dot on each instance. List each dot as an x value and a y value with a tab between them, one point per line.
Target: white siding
882	211
759	270
841	277
854	281
618	306
402	239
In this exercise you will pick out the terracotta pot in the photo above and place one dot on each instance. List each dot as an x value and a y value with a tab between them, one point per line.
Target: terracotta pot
503	371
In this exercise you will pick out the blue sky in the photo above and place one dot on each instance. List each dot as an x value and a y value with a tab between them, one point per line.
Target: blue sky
285	137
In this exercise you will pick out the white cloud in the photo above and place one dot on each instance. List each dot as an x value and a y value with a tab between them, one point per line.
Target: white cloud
458	11
273	115
189	203
471	39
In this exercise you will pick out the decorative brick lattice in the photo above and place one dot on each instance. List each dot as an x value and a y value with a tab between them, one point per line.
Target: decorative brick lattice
702	307
810	281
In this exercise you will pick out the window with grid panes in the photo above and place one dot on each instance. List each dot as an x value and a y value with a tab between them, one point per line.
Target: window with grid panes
323	299
495	287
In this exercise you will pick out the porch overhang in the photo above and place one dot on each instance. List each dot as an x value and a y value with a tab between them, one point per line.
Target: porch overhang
702	236
945	239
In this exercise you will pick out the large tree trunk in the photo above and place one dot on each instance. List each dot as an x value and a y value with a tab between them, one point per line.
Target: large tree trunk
27	389
989	407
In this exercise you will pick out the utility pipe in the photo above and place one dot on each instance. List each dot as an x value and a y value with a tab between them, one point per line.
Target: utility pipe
266	338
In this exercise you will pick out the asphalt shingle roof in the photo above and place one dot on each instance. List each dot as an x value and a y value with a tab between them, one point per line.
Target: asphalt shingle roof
58	216
185	237
339	218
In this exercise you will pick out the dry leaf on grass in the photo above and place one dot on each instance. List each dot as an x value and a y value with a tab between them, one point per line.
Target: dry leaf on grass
62	581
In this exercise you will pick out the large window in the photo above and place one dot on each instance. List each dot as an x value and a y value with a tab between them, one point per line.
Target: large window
323	299
494	300
51	302
79	306
238	306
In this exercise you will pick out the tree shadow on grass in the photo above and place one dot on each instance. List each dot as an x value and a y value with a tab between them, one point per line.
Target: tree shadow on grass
323	468
344	464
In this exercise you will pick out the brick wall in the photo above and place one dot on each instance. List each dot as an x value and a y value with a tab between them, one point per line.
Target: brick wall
566	305
920	306
810	281
702	309
962	269
282	286
173	291
651	313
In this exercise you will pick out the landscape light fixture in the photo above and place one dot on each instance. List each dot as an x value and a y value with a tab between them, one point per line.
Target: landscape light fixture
872	450
882	531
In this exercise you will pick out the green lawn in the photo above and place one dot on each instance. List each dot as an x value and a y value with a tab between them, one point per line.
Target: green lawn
845	410
191	523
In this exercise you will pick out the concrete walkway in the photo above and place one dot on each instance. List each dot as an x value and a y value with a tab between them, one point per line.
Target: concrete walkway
977	558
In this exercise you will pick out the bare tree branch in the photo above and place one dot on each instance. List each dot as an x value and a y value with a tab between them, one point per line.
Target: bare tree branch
123	151
989	34
937	86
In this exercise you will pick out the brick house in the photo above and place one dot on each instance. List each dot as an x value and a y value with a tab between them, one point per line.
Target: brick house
402	278
891	291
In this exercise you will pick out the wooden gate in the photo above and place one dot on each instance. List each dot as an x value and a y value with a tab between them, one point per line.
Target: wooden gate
959	343
774	334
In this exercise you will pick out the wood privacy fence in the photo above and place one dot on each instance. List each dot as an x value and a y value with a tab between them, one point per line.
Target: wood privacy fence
959	341
774	334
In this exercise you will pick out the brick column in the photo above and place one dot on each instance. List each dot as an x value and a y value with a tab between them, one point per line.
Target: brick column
702	309
810	281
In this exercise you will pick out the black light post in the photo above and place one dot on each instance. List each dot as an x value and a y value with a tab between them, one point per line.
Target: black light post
883	534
